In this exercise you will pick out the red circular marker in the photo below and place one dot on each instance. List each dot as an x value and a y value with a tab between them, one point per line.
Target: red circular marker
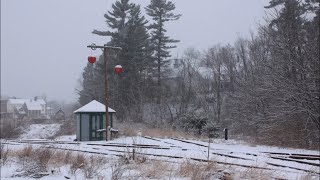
118	69
92	59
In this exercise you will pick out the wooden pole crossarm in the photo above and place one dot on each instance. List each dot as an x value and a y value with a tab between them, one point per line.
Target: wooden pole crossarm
93	47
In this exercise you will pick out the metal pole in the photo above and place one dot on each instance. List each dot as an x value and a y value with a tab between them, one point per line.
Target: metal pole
106	91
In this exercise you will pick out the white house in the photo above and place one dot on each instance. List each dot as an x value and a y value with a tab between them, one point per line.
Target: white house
40	102
14	105
30	107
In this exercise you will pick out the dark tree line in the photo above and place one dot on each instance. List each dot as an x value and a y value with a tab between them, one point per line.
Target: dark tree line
144	57
266	87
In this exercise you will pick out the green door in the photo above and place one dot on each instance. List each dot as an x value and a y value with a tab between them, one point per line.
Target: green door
95	125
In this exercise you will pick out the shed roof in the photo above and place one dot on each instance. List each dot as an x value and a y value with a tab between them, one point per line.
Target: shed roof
94	106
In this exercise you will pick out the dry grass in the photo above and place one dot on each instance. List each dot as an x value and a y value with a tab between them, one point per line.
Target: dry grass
309	176
4	153
188	169
163	133
58	158
43	156
254	173
35	160
93	166
196	171
27	151
126	129
77	162
40	156
117	171
312	175
155	169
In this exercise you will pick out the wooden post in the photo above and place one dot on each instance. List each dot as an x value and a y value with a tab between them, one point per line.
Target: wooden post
106	92
133	153
209	148
105	47
225	134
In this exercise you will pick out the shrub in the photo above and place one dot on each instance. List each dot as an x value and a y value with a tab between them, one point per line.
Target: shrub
77	162
42	156
4	153
117	171
9	129
254	173
197	171
92	167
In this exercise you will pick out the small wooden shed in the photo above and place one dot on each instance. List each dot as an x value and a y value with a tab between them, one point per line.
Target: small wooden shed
91	119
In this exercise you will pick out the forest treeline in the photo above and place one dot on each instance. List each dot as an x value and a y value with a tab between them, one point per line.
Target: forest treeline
265	87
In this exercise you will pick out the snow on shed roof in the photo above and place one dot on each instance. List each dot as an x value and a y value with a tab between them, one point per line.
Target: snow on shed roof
94	106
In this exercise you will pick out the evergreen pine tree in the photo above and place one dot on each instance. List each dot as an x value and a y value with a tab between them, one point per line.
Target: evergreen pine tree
161	12
128	31
89	90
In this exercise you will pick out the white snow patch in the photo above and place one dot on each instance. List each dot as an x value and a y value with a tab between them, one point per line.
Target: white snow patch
40	131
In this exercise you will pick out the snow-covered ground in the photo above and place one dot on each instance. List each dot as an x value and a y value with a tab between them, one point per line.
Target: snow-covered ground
282	163
40	131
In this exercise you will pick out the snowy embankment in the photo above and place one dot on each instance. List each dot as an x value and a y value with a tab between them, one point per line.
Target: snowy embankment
40	131
235	159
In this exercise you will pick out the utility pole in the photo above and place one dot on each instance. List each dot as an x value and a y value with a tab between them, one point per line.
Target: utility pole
104	49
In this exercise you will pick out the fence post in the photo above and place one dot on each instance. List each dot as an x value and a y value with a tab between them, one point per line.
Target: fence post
226	134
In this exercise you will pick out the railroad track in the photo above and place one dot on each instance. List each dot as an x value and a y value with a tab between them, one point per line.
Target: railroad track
93	147
296	156
247	166
288	156
178	157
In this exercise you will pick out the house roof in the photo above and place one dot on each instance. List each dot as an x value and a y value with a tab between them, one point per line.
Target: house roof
94	106
22	101
40	101
18	101
33	105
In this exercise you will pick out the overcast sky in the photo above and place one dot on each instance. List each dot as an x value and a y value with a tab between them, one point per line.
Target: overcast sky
43	42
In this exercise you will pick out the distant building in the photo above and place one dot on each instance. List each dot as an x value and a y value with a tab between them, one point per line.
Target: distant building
14	105
32	109
17	108
60	115
3	108
50	111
